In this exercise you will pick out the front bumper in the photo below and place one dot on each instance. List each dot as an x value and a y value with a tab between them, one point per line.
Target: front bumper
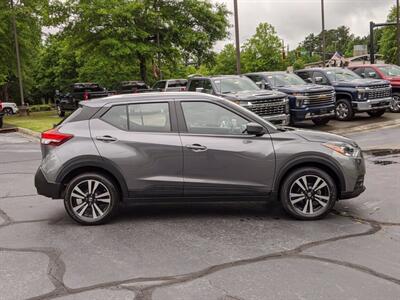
309	113
282	119
46	188
373	104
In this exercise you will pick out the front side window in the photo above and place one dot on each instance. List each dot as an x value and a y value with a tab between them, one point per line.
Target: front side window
149	117
305	76
371	73
194	84
117	117
159	85
209	118
319	78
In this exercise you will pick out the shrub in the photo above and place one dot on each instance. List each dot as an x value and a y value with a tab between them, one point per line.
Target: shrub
40	107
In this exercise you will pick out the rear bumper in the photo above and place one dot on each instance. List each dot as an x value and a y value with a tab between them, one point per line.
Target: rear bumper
309	113
373	104
45	188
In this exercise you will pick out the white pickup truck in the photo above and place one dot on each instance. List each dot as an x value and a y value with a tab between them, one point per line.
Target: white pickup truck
8	108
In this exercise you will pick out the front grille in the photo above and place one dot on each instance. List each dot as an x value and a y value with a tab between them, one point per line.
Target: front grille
379	91
268	107
320	98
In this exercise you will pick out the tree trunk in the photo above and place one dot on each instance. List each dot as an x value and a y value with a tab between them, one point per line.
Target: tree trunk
143	69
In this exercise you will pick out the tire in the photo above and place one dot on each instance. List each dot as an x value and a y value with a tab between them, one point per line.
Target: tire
60	112
321	121
1	121
344	111
376	113
8	111
395	103
296	201
88	210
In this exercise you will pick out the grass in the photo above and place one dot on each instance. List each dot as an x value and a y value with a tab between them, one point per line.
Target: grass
36	121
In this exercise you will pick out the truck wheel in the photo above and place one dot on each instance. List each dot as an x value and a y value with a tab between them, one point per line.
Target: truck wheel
1	121
321	121
91	199
376	113
344	110
395	103
308	193
60	112
8	111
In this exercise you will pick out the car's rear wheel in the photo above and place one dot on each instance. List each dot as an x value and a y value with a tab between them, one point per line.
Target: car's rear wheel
308	193
376	113
344	110
8	111
395	103
91	199
321	121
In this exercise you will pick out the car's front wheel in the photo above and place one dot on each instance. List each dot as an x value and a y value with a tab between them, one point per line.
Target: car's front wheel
8	111
395	103
344	110
91	199
308	193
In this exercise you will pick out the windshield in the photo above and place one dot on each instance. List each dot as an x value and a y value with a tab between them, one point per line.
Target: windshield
283	79
235	84
390	70
341	75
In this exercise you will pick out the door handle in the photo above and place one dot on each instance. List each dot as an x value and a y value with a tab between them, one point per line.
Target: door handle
106	138
197	147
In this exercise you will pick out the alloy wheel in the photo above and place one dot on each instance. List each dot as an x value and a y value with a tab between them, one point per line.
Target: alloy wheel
342	111
90	200
395	103
309	194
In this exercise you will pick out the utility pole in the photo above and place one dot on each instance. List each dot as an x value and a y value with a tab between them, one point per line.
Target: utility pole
235	8
14	25
323	32
398	31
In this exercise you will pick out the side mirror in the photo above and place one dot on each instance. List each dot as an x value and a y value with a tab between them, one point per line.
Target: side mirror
255	129
200	90
372	74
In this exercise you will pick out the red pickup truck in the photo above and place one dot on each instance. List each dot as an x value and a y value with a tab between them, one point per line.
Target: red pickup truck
383	71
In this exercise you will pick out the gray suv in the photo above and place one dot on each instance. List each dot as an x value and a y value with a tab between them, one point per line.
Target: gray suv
190	146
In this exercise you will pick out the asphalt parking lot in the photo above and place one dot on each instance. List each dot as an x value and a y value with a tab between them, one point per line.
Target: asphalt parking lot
199	251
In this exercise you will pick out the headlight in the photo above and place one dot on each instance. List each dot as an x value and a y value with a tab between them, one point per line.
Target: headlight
362	93
343	148
300	99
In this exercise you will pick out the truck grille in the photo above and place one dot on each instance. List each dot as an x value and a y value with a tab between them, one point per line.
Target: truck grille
379	91
268	107
320	98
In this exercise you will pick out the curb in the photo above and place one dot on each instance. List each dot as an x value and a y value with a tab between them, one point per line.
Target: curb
24	131
369	127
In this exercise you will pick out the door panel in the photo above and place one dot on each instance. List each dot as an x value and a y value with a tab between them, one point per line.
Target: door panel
230	165
219	159
150	162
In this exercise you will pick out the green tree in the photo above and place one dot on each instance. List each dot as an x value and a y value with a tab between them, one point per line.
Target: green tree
388	41
225	61
263	51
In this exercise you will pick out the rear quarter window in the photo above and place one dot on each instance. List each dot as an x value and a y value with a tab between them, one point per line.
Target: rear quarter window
117	116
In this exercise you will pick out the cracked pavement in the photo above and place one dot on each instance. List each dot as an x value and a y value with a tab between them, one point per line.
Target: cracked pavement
194	251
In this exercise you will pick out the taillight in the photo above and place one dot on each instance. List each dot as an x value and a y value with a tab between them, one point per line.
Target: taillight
85	96
54	137
1	106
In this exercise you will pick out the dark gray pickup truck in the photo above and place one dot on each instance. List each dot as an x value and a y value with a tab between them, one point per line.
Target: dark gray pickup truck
272	106
77	92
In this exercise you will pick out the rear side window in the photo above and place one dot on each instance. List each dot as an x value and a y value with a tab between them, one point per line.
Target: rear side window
177	83
117	116
149	117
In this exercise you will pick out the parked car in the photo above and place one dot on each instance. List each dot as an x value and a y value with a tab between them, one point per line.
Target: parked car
386	72
171	85
131	87
353	93
306	101
76	93
270	105
9	108
190	146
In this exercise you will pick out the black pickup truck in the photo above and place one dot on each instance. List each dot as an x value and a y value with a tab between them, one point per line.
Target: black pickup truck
307	101
133	87
77	92
353	93
273	106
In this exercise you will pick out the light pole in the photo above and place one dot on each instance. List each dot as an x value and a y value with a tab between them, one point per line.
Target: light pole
235	8
14	25
398	31
323	32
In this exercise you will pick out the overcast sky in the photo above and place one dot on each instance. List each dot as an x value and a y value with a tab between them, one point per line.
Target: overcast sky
294	19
